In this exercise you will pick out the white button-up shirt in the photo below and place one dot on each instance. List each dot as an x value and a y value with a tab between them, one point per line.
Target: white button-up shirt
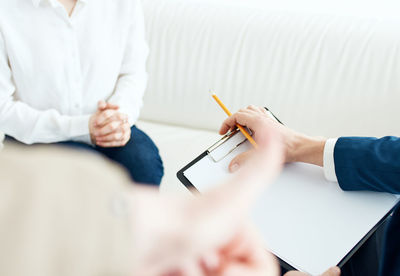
55	68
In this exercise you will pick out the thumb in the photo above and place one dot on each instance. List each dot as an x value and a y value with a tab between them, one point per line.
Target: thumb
101	105
333	271
239	160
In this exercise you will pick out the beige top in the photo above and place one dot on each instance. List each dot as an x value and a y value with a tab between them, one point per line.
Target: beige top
62	213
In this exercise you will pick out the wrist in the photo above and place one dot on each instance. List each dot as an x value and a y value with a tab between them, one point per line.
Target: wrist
92	126
308	149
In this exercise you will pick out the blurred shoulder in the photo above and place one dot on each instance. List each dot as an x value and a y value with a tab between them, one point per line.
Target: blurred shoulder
47	165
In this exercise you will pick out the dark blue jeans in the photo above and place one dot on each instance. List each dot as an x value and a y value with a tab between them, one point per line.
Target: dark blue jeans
140	156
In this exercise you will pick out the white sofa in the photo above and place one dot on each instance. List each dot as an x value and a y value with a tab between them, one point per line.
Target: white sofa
324	68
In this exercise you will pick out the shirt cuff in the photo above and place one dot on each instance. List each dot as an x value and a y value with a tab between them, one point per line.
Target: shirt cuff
79	126
329	160
84	139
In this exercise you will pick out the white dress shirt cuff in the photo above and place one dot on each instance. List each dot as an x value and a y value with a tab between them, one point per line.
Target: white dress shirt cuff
83	139
329	160
79	126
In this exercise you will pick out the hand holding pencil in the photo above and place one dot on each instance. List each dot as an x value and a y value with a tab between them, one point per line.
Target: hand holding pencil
241	128
259	121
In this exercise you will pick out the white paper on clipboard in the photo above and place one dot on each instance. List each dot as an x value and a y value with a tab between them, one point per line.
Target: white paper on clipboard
307	221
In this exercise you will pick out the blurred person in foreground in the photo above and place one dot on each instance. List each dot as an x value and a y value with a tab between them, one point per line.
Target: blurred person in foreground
54	223
356	163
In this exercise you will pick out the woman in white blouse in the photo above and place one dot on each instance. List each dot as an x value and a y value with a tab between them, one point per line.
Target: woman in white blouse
73	72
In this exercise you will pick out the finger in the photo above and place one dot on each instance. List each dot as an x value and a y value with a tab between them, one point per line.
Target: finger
115	136
193	268
248	257
102	105
117	116
333	271
120	138
296	273
176	272
262	109
113	144
108	128
112	106
250	117
244	117
261	268
239	160
210	263
254	108
127	133
105	116
125	140
228	124
271	264
256	122
258	109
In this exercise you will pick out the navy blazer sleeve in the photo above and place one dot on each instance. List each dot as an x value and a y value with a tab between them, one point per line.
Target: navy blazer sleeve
368	163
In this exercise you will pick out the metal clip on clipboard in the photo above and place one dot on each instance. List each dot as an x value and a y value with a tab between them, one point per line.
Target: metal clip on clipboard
226	145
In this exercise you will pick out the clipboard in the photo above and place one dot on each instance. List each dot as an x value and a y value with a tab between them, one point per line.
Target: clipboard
213	150
295	237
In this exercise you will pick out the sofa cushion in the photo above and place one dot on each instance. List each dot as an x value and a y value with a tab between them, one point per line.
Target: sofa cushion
323	71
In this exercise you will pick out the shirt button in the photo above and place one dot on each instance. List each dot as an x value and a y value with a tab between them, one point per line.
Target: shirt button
77	105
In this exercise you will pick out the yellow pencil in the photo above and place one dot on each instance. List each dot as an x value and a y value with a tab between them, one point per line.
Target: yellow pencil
242	129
